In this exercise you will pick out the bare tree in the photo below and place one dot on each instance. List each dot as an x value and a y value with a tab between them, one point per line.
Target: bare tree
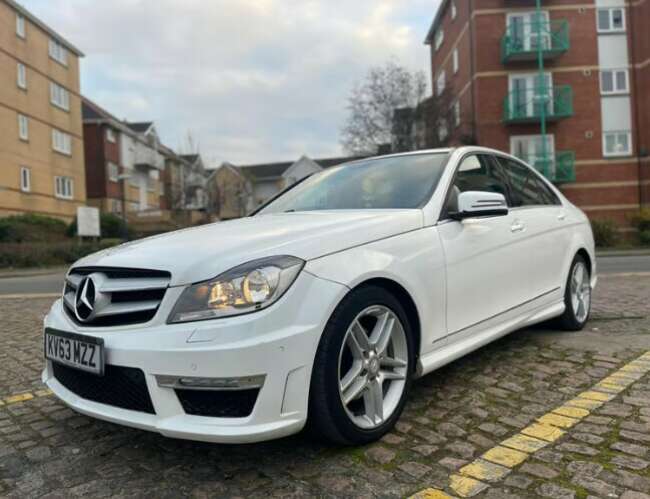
372	105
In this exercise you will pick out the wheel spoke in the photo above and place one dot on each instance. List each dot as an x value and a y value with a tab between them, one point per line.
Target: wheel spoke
357	340
373	399
391	375
392	362
351	375
581	309
382	332
354	391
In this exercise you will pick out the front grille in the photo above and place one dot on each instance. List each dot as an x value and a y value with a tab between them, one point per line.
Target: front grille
118	296
218	403
123	387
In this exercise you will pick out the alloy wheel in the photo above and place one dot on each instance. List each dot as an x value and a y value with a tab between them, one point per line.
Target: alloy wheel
580	291
373	366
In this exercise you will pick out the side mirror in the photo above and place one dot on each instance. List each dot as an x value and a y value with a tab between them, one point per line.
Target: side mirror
474	204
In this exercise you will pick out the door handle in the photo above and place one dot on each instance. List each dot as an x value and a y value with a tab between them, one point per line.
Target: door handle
517	226
561	216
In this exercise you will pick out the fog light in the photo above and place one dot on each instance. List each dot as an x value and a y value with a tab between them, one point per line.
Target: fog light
198	383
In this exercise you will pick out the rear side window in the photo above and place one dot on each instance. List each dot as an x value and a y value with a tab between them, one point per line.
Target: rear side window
527	188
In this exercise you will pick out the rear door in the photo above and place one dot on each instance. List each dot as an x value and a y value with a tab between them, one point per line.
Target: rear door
544	229
486	267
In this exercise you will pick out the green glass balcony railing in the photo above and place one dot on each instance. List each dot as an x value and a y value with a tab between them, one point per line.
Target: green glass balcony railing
522	40
558	167
527	105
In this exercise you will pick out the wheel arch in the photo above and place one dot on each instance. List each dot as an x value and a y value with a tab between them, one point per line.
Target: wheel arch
585	254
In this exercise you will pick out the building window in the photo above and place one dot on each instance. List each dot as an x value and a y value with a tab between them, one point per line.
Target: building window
116	206
441	82
59	96
58	52
153	177
20	25
64	187
454	60
439	38
110	135
21	76
25	179
611	20
113	172
443	132
456	111
23	127
614	81
617	143
453	10
61	142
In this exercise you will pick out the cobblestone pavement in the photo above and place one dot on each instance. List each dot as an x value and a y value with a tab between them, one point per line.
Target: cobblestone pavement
453	416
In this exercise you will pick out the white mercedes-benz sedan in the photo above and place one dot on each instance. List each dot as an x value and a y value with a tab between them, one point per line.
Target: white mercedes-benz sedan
321	307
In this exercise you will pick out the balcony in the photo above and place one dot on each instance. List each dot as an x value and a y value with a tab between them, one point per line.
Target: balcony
521	41
527	105
558	167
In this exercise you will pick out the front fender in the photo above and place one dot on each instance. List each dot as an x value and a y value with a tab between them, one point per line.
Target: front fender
413	260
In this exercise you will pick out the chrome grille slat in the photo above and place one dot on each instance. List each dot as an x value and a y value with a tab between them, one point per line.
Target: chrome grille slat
128	308
113	296
137	284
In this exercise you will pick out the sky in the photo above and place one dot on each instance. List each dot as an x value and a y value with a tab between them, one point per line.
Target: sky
251	81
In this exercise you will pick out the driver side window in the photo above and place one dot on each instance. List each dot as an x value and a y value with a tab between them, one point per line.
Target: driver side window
477	172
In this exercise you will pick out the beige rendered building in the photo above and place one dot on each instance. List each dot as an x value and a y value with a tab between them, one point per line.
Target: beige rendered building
41	135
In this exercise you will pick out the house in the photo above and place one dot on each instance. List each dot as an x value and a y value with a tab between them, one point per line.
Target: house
41	144
124	162
194	181
229	192
563	87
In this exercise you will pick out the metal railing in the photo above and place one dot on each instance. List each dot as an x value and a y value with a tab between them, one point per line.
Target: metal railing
558	167
522	41
529	104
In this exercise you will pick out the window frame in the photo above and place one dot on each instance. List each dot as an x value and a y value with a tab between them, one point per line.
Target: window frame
113	174
442	76
21	26
541	179
21	76
59	96
615	90
456	112
453	10
110	136
23	127
25	179
610	20
630	149
439	38
58	52
455	61
67	142
63	187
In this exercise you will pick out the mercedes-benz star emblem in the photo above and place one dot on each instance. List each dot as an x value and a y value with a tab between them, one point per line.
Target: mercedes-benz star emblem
84	301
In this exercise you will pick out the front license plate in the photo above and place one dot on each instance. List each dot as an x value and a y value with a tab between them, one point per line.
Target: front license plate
75	350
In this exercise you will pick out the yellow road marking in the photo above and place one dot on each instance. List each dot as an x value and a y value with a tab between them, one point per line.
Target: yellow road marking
19	398
498	461
24	396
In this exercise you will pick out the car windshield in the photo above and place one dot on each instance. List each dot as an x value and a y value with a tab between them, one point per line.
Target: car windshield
384	183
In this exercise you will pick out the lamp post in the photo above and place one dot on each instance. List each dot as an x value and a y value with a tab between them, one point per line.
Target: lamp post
125	229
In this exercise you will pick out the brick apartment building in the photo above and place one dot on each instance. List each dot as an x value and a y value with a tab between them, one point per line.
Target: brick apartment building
595	91
41	141
124	162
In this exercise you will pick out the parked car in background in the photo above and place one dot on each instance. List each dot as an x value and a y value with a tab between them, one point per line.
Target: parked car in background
322	306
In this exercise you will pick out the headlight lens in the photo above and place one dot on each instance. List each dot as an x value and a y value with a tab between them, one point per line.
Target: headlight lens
246	288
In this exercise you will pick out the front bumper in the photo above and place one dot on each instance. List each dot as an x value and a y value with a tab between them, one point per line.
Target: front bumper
278	343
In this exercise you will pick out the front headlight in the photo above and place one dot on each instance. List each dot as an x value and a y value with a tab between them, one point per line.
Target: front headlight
247	288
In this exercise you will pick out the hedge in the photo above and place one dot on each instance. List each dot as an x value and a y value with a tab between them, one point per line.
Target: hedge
47	254
31	228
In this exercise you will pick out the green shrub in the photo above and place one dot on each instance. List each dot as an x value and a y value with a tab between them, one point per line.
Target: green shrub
38	254
31	228
112	226
644	237
605	233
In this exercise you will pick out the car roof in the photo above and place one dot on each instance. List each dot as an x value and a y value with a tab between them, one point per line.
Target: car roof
441	150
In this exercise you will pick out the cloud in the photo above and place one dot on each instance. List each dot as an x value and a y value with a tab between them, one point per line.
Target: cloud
255	80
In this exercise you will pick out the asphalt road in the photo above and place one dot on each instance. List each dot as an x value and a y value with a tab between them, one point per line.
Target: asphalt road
52	282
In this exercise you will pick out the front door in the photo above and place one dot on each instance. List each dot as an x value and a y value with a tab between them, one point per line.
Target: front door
486	271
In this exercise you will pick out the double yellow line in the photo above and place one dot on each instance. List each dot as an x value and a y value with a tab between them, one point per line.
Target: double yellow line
499	461
22	397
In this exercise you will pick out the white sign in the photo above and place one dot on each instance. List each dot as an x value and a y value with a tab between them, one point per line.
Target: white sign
88	221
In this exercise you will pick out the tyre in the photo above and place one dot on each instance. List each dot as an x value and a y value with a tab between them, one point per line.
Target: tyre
362	370
577	296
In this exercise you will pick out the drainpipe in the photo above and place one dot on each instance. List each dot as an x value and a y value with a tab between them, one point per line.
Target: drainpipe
472	71
541	81
635	95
